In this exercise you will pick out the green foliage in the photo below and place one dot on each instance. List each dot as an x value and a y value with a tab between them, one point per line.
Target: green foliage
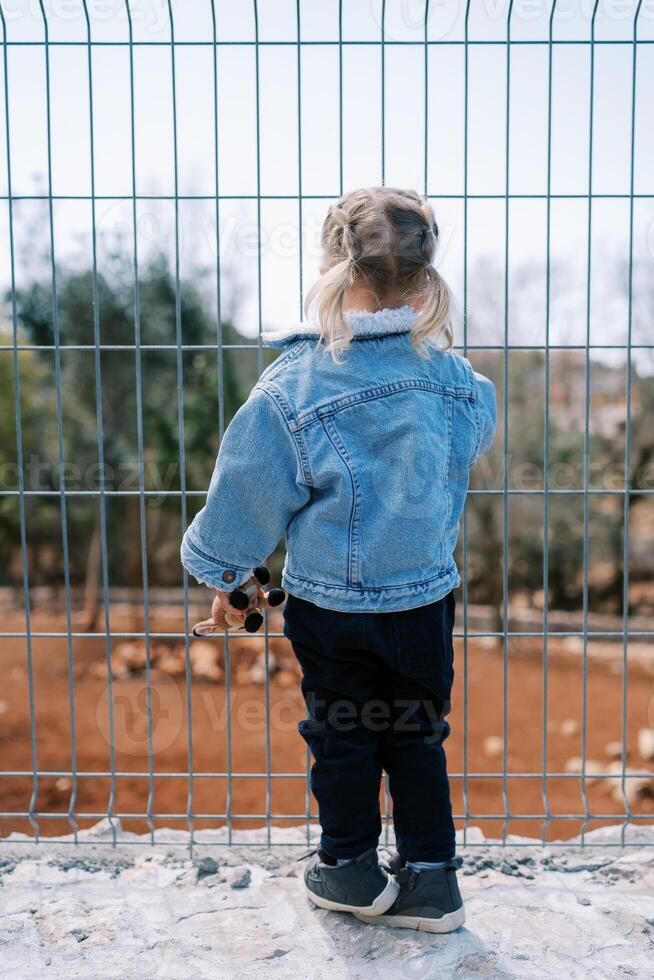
126	377
145	385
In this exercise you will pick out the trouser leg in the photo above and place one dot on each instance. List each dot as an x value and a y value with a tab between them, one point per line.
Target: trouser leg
412	753
338	683
416	681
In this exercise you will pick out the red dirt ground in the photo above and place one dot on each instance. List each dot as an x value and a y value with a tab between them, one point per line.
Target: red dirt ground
482	717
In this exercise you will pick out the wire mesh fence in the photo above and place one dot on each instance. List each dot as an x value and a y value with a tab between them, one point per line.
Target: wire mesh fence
531	137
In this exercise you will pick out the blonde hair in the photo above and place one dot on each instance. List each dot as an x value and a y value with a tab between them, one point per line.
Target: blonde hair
381	238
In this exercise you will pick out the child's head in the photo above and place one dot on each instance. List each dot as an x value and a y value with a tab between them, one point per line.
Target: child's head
381	242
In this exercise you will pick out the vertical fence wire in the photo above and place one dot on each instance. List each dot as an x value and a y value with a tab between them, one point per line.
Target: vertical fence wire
382	101
587	443
505	412
340	97
382	181
143	531
546	429
465	518
99	409
466	508
220	374
266	652
59	349
627	444
20	467
181	429
63	509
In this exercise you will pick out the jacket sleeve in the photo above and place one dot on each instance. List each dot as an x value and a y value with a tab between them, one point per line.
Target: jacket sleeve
255	490
486	412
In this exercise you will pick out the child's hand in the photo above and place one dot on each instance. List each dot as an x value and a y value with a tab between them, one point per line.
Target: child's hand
224	616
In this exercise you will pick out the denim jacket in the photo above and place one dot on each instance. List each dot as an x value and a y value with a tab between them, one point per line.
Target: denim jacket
361	466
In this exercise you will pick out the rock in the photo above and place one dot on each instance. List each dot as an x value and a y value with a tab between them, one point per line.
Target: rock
492	745
636	788
573	644
258	670
206	867
241	878
256	675
126	657
173	662
556	925
646	744
242	677
569	727
130	656
285	679
104	828
204	661
613	750
575	763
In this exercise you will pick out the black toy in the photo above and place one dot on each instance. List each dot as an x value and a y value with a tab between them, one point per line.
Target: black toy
240	598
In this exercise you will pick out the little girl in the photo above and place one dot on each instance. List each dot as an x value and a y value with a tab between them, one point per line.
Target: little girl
356	445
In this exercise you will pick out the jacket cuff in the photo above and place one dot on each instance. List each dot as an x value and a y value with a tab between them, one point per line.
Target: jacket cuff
208	570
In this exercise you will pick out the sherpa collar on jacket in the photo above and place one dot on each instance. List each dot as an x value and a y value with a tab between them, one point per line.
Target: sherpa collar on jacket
400	319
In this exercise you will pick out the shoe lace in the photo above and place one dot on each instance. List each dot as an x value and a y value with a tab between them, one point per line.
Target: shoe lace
406	878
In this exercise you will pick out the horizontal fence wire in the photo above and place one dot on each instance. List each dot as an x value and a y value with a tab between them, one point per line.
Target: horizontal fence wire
343	42
103	493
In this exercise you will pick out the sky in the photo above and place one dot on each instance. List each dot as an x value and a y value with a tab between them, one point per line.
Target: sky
303	126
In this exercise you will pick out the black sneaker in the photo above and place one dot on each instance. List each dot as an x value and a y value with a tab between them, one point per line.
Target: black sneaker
429	900
361	885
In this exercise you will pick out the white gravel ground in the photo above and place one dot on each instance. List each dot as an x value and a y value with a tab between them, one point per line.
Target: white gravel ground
136	912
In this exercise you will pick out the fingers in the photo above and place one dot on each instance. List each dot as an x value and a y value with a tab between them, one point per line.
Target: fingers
205	628
223	614
223	617
209	627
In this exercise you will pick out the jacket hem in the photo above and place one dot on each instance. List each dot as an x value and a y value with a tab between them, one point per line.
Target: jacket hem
392	598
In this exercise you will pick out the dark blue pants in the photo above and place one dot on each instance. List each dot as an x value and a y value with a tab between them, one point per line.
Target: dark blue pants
377	688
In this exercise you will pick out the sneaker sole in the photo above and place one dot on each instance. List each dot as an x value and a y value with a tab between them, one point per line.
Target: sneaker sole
381	904
446	923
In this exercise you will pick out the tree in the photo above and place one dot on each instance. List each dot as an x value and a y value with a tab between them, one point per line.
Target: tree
160	376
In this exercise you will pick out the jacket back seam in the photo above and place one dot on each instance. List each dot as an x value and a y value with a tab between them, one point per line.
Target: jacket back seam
447	475
352	558
370	394
300	449
280	362
475	405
